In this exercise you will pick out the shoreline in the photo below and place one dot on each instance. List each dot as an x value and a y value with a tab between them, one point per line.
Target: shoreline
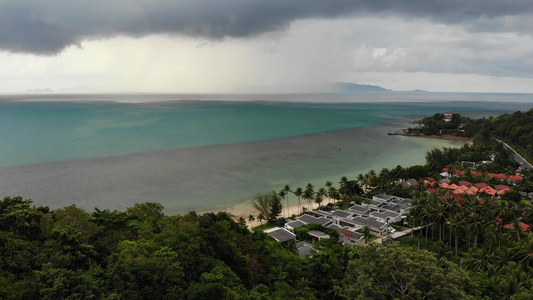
447	137
244	210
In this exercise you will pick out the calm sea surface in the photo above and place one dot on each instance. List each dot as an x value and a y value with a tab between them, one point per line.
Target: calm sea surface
199	152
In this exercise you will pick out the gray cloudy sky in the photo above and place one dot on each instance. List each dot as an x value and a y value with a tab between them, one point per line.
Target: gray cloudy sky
265	46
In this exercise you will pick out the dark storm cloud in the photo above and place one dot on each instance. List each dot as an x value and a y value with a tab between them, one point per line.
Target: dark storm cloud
47	27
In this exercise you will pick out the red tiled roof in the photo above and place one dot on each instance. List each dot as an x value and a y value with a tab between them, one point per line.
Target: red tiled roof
481	185
454	171
430	183
430	190
457	198
499	176
472	190
500	187
502	192
476	173
525	227
516	177
346	232
452	186
465	183
430	179
457	172
488	190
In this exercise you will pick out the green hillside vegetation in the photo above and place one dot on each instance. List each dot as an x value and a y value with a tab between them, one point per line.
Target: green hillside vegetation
69	253
516	129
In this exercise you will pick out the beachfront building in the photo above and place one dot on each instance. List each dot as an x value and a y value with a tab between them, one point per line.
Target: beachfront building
309	219
317	235
387	216
350	237
358	210
376	226
294	224
396	204
281	235
305	249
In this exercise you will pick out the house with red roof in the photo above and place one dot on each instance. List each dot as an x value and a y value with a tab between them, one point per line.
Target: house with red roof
488	190
498	176
465	183
501	187
481	185
452	186
525	227
472	190
443	185
458	198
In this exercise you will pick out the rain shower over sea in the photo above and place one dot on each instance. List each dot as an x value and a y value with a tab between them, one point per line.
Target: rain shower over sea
210	152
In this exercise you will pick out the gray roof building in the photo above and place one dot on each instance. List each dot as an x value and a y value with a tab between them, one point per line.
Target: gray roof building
335	227
314	220
294	224
375	225
359	210
341	214
304	249
281	234
318	235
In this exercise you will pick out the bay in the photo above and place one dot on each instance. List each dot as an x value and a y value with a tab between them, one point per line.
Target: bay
204	152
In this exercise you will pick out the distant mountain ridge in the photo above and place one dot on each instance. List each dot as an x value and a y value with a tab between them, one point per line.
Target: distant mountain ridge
46	90
350	87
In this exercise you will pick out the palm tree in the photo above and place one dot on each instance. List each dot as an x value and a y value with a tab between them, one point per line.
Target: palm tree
251	218
515	231
287	190
298	193
309	194
479	259
262	204
333	193
526	254
367	234
329	185
527	212
415	212
439	218
457	226
475	226
491	237
282	195
372	176
320	196
361	181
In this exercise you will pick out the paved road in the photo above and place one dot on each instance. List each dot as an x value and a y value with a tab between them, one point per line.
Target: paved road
524	164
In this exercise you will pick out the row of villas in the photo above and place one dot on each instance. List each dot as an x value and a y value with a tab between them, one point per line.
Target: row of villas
378	214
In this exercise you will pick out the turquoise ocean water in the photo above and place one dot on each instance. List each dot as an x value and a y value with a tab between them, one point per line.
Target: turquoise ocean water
199	152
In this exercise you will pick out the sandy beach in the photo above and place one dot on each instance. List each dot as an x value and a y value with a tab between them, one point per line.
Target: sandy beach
446	137
244	210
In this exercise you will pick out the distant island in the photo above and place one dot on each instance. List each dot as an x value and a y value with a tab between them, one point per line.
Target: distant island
45	90
350	87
